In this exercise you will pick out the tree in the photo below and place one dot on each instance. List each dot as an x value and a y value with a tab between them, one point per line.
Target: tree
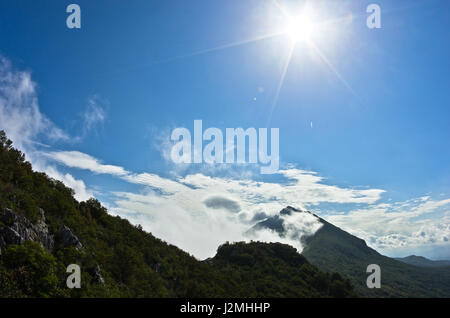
34	268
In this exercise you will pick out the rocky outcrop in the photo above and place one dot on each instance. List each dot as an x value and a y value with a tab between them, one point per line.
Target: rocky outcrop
97	276
68	238
18	229
156	267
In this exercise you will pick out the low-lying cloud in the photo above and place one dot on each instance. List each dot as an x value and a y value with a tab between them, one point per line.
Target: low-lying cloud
218	202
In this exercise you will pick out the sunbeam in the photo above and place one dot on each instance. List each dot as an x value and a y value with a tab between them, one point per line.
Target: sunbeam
204	51
280	83
332	68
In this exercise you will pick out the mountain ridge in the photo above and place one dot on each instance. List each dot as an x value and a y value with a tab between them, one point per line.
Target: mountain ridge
421	261
333	249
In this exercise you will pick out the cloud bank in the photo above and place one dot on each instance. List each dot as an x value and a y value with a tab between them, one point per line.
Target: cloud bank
199	212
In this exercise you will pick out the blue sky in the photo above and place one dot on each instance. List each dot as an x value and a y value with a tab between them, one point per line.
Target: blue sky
114	89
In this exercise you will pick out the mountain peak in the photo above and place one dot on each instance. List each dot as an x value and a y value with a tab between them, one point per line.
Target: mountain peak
288	210
290	223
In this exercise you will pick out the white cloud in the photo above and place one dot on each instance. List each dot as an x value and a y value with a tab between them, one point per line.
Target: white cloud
76	159
300	188
20	116
94	114
201	232
198	233
23	122
81	192
414	222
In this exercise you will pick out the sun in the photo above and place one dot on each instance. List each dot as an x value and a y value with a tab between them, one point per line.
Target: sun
300	28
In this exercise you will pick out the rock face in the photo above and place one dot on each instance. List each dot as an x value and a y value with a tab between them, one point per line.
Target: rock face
69	238
18	229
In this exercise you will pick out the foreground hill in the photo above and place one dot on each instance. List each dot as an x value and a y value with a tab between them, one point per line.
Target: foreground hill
43	229
278	270
332	249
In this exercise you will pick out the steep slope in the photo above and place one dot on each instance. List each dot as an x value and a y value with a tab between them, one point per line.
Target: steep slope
43	229
332	249
421	261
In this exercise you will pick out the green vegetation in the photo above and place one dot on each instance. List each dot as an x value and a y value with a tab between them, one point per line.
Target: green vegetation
134	263
31	269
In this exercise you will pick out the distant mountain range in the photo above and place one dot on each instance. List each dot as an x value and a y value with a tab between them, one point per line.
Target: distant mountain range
422	261
332	249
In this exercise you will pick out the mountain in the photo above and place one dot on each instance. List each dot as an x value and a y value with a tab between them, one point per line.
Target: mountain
421	261
334	250
43	229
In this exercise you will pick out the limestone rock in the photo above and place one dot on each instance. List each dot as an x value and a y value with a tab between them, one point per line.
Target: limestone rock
69	238
17	229
98	278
